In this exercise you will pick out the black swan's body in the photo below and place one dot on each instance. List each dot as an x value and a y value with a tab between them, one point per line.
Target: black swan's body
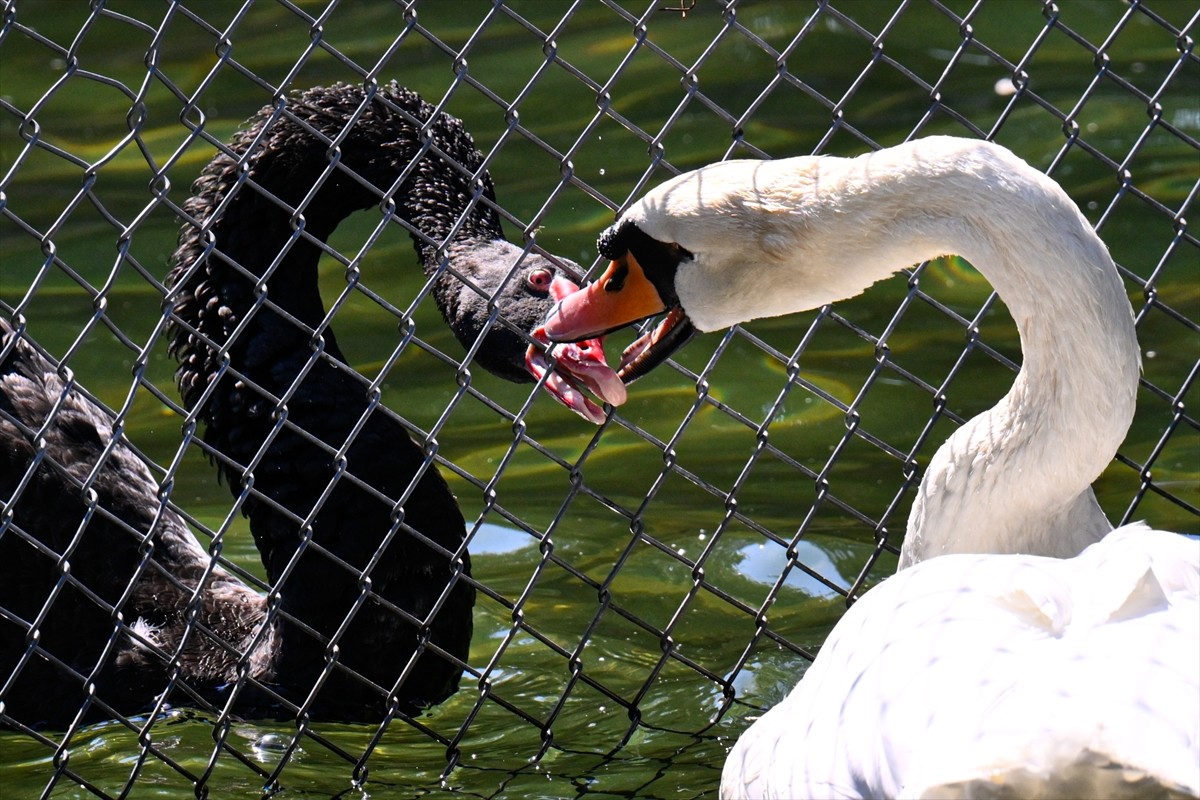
360	536
66	565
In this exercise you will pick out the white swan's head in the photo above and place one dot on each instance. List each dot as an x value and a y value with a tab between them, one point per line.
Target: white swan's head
724	244
740	240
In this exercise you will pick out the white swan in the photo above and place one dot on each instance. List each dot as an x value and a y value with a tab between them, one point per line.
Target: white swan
1040	654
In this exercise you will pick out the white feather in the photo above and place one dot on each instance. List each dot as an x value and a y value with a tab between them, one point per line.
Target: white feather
1023	649
997	669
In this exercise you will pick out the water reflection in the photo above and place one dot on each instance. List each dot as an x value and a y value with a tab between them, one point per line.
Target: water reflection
496	540
766	561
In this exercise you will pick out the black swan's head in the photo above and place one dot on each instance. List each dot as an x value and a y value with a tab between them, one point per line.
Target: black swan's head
264	205
516	347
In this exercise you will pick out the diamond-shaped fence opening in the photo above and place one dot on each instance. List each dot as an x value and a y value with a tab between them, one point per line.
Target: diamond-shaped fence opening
256	586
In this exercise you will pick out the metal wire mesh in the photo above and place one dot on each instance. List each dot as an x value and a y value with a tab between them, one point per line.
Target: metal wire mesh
588	644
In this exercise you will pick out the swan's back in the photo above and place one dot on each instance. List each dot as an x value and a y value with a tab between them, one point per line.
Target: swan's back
51	437
1000	676
120	550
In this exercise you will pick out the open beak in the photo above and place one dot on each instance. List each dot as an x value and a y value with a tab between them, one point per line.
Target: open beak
621	296
654	347
577	366
572	368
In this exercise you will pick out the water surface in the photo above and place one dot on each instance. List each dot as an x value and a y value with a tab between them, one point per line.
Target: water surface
625	586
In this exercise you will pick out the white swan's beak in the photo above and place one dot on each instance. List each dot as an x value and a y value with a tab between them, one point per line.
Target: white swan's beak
652	348
621	296
577	366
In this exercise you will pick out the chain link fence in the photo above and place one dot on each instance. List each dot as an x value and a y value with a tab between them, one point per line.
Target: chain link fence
641	588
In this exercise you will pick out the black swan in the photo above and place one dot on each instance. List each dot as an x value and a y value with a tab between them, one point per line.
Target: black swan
362	541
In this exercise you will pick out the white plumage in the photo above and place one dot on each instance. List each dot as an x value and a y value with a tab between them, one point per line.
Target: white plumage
1050	677
1024	649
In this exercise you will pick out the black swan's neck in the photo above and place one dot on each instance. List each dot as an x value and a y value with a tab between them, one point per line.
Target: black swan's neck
329	477
397	147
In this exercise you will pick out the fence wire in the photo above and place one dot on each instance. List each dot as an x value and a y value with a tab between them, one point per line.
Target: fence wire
642	588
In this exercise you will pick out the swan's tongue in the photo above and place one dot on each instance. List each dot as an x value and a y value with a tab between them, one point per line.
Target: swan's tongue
577	365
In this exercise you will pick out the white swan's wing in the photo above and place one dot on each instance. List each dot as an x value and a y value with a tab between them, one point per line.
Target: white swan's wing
1033	671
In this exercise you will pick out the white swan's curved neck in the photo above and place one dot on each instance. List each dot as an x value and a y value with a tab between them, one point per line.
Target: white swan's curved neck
1016	478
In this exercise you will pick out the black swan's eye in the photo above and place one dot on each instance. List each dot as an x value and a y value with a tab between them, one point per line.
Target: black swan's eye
539	280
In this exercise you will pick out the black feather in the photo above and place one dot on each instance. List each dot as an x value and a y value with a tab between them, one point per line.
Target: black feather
99	584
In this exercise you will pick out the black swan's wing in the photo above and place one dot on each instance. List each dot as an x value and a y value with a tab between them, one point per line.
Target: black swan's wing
94	569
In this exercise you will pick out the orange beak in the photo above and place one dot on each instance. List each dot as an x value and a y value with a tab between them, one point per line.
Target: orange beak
621	296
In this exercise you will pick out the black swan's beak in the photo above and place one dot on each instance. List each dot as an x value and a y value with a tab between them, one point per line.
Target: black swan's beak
577	366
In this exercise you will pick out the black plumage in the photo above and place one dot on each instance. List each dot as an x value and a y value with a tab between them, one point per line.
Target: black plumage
98	577
361	538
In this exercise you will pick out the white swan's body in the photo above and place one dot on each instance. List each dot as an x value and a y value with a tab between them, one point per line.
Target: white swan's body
970	672
1047	649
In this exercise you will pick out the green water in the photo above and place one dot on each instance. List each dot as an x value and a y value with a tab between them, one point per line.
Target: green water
605	571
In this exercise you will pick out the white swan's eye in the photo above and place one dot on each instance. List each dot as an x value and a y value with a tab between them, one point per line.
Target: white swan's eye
539	280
